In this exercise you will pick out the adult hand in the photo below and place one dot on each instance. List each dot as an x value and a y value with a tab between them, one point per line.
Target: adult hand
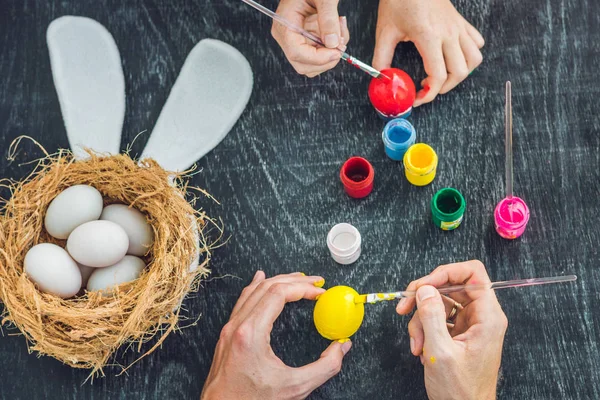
461	360
244	365
450	46
319	17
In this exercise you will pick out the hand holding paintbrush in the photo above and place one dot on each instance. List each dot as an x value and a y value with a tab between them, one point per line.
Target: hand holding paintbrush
377	297
307	59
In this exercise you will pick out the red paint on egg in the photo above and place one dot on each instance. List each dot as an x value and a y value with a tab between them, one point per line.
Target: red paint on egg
395	96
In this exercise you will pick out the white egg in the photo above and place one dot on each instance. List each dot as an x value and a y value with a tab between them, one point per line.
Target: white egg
126	270
53	271
85	273
98	244
72	207
134	223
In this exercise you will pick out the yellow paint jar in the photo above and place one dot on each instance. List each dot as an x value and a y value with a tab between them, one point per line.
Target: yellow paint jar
420	164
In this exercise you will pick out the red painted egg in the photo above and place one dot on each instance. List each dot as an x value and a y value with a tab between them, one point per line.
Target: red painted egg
395	96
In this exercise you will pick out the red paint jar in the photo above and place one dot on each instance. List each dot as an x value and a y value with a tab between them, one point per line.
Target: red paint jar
357	175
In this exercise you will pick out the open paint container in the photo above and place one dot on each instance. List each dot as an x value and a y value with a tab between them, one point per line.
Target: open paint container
357	176
511	216
398	135
420	164
343	241
448	208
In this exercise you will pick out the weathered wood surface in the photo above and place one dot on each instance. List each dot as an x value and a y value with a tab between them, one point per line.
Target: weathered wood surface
276	176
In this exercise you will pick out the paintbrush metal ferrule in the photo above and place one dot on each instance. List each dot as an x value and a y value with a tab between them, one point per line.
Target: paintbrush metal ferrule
362	66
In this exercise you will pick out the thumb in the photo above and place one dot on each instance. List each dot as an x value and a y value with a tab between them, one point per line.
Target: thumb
313	375
432	314
329	22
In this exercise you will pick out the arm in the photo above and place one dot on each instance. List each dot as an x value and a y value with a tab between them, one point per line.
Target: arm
449	45
461	360
245	366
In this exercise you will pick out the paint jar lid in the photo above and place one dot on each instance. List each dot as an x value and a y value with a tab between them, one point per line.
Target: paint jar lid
344	242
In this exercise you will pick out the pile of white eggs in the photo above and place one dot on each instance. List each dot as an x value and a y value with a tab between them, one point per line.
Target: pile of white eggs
103	248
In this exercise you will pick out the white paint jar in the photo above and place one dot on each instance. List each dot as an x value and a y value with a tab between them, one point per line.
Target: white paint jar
343	241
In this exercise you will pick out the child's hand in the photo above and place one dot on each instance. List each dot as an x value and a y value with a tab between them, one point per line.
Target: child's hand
319	17
448	44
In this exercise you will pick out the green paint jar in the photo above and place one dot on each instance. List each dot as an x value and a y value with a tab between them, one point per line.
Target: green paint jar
447	208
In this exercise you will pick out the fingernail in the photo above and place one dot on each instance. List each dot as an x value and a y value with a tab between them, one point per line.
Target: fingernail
423	92
412	345
302	273
317	298
319	283
255	276
426	292
342	341
346	346
335	57
332	40
345	22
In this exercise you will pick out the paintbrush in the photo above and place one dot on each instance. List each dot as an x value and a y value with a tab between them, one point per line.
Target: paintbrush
377	297
345	56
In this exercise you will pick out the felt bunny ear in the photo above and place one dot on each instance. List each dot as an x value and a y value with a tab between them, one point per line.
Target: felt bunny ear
211	92
88	76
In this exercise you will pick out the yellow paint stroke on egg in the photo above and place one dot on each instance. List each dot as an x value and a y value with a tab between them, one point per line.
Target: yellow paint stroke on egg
336	315
432	359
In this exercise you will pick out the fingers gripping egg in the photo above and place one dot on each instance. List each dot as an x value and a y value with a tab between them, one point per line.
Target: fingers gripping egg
336	314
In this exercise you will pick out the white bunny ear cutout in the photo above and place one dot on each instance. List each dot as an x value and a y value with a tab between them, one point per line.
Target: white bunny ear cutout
209	96
88	76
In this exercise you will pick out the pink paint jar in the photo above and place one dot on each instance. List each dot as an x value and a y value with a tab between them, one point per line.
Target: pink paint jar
511	217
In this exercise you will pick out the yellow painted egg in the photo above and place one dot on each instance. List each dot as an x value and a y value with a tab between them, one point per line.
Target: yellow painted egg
336	314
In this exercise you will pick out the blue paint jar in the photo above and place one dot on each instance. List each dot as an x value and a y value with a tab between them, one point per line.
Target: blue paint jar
398	135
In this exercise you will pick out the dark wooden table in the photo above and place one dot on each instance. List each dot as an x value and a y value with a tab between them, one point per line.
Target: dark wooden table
276	176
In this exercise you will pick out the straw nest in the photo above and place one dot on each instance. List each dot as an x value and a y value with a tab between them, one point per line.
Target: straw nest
85	331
